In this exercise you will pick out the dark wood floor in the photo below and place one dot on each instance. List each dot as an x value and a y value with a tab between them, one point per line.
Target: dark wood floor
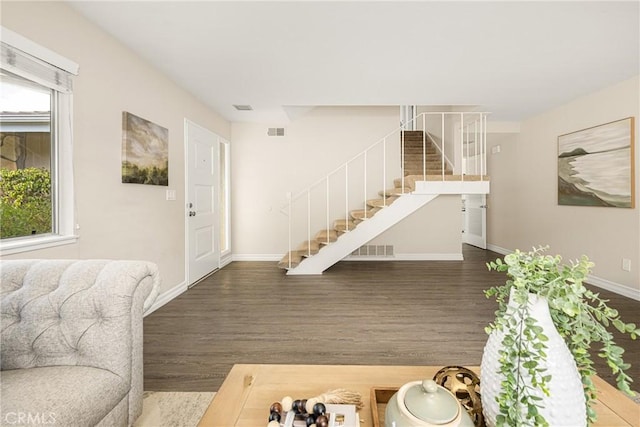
386	313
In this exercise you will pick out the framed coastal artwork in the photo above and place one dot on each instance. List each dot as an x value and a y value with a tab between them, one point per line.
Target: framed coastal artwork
596	166
145	151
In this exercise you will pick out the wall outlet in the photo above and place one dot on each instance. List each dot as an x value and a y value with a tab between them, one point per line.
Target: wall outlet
626	264
495	149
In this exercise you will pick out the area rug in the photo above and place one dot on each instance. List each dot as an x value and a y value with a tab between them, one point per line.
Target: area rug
173	409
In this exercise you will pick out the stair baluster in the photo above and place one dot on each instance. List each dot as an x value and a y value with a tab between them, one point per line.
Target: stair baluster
428	156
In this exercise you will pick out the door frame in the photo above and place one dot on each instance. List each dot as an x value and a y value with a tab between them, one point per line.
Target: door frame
187	260
466	216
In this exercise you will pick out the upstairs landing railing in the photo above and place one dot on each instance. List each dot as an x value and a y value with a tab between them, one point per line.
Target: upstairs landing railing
459	138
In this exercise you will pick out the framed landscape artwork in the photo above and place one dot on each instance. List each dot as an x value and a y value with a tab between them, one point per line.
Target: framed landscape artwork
596	166
145	151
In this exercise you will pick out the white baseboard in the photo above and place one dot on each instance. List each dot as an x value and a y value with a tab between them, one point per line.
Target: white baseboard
257	257
614	287
498	249
167	296
407	257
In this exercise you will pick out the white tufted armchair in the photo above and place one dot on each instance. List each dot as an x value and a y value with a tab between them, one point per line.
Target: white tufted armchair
71	341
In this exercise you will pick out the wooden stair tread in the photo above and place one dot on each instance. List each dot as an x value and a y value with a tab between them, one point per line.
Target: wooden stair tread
418	161
391	192
416	150
408	182
418	172
310	247
343	225
359	214
420	156
379	203
296	259
418	164
321	236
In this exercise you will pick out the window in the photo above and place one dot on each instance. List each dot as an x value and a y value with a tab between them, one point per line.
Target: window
26	199
36	180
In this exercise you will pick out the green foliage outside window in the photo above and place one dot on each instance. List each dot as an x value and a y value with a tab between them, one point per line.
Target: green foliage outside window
25	202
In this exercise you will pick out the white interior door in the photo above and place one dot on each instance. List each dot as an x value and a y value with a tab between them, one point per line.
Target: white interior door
475	220
203	182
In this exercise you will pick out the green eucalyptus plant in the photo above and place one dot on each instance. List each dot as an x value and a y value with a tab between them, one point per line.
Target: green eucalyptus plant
580	316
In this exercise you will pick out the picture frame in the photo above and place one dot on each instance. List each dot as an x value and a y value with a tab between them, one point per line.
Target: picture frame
145	151
596	166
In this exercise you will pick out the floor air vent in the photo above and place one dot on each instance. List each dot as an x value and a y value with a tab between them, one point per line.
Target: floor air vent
373	251
275	131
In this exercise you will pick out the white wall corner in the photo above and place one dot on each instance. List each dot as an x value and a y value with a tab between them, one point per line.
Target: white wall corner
167	296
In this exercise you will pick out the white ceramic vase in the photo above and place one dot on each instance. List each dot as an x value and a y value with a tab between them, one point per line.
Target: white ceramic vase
566	405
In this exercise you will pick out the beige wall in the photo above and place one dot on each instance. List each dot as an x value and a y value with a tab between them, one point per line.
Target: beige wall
265	168
116	220
135	221
523	210
434	230
502	221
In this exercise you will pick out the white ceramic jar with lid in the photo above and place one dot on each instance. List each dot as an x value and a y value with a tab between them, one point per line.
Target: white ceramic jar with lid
425	404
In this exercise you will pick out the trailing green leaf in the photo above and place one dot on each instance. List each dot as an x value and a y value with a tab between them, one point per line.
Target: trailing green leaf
580	316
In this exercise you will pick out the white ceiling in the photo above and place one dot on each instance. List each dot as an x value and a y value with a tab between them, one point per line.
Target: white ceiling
514	59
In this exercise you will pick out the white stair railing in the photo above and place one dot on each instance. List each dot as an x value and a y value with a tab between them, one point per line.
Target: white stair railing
461	136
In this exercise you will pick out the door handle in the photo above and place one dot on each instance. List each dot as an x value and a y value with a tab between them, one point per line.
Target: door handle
192	213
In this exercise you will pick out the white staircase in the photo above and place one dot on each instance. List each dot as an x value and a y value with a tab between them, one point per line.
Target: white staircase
348	189
351	240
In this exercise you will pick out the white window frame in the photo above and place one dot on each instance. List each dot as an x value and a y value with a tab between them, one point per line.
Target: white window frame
63	202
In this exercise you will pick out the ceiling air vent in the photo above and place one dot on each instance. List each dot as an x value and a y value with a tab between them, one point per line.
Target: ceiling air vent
243	107
275	131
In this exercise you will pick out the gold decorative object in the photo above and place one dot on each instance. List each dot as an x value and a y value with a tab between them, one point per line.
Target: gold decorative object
465	385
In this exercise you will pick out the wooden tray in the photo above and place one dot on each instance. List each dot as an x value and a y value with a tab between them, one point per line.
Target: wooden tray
380	396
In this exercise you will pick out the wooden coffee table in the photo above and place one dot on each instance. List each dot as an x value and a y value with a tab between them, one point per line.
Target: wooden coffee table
246	394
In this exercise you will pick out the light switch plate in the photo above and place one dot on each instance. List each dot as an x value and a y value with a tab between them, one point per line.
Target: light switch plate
171	194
